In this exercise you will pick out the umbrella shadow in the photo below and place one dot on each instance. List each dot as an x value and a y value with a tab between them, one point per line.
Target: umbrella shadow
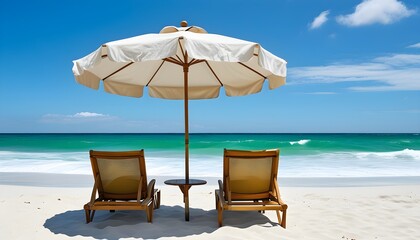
168	221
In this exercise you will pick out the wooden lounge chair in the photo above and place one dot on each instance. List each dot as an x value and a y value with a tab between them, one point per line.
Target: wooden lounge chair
250	183
121	183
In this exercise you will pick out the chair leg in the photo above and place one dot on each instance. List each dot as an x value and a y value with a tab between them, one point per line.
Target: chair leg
220	216
149	212
283	220
216	199
87	214
156	200
219	212
92	215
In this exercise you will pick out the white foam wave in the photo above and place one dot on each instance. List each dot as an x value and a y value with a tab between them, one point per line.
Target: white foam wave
404	154
79	163
203	166
52	162
352	164
300	142
239	141
334	164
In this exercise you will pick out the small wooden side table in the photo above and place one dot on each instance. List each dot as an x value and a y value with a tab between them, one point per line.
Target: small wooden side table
185	185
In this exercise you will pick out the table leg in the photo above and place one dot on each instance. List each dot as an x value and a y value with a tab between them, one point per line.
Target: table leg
187	205
184	186
184	190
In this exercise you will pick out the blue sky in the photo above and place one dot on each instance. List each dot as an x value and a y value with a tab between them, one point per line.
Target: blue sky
353	66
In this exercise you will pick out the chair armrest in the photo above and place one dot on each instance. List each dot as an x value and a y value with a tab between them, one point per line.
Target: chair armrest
220	186
150	192
221	194
151	188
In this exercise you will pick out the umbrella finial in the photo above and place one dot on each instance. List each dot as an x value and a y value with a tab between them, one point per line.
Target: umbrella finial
184	23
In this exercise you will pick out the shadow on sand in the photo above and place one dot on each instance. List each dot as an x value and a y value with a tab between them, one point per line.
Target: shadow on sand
168	221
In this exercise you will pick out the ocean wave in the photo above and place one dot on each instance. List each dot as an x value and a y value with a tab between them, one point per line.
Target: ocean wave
300	142
46	162
239	141
403	154
68	156
405	162
172	164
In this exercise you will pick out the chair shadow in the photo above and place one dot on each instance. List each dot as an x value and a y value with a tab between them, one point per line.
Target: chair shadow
168	221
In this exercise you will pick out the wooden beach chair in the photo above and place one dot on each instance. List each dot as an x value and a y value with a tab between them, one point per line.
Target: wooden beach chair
250	183
121	184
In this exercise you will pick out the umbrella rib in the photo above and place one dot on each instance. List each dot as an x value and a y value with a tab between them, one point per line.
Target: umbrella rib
180	60
255	71
196	61
173	60
117	71
211	69
180	45
155	72
192	60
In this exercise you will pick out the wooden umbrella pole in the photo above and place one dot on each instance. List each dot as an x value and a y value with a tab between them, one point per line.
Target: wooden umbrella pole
187	167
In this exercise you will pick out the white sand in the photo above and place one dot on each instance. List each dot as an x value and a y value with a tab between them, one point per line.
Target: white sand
381	212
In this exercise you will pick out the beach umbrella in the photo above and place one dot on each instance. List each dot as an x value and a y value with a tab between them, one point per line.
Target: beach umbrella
181	63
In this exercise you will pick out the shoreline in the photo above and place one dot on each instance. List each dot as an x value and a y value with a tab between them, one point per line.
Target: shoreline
82	180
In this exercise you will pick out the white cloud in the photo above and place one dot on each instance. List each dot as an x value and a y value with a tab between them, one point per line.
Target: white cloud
399	59
88	115
320	20
76	118
417	45
399	72
376	11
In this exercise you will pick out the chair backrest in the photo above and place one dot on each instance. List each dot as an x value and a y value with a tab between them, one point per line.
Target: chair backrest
250	172
117	174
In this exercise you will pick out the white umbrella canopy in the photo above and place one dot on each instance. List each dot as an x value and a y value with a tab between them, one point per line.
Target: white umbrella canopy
181	63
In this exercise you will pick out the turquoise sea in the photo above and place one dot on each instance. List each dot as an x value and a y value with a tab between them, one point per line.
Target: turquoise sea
301	155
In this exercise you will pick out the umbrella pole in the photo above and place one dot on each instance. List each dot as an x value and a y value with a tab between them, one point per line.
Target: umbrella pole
187	167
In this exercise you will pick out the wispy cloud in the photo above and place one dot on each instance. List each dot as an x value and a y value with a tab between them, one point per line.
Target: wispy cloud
376	11
399	59
398	72
417	45
89	115
320	20
76	118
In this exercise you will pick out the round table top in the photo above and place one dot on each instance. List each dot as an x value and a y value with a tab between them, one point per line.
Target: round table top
178	182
